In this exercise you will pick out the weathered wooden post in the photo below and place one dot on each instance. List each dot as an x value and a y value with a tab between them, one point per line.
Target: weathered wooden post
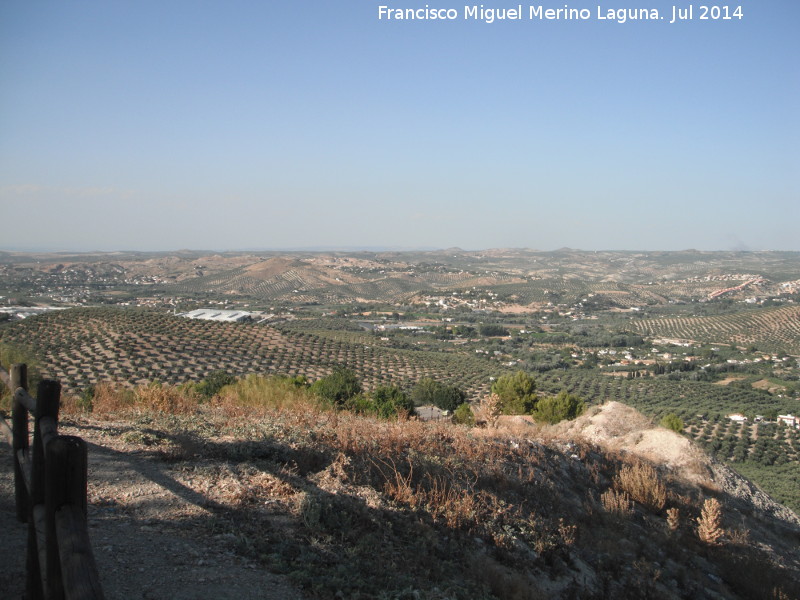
67	465
63	472
19	423
46	423
51	485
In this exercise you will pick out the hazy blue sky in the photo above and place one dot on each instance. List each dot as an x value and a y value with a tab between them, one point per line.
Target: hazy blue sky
225	125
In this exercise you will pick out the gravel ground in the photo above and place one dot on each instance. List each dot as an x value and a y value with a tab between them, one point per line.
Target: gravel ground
149	532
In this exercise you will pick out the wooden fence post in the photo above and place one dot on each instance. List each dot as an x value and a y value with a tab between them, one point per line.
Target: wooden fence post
67	466
51	496
47	398
19	422
65	483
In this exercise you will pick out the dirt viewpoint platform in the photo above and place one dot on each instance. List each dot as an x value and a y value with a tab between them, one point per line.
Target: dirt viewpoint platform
145	533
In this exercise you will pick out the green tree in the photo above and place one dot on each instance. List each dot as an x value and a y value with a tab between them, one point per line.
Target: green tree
517	393
489	330
673	422
441	395
338	387
213	383
390	401
463	415
557	408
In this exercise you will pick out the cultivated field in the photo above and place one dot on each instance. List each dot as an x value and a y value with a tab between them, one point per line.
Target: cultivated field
770	330
82	347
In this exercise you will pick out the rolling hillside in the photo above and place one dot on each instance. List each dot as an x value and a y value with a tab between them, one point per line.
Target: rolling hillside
769	329
83	346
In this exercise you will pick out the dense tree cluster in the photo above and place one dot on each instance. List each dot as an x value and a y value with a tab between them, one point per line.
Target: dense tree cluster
563	406
338	387
428	391
517	392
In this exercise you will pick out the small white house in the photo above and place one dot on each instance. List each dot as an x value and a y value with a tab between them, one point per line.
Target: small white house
790	420
737	418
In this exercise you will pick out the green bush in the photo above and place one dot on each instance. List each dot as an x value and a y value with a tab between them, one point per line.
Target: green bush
463	415
558	408
441	395
493	330
673	422
517	393
361	405
338	387
390	401
86	399
213	383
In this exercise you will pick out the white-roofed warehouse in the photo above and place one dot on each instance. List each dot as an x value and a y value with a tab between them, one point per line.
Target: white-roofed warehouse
213	314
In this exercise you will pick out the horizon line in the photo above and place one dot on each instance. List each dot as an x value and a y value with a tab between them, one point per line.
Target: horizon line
323	249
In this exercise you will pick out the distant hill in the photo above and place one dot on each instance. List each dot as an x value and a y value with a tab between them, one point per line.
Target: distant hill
520	276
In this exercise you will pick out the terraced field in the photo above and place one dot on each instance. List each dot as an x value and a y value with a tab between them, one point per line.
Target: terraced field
657	396
83	346
770	329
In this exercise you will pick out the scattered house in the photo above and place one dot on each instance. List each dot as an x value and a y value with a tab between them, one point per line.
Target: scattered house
789	420
737	417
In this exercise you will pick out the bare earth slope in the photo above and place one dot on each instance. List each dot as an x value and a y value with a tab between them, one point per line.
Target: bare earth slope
619	427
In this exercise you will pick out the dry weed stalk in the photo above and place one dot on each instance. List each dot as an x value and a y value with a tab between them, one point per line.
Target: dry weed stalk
568	533
457	508
618	503
642	483
739	536
491	408
396	485
779	594
709	523
673	519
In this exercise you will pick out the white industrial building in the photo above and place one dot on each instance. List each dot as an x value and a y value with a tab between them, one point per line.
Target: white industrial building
214	314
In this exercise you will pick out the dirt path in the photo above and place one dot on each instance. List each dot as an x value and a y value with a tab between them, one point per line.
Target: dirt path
153	536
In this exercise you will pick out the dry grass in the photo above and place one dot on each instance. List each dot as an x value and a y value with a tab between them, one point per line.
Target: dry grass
617	503
642	483
263	393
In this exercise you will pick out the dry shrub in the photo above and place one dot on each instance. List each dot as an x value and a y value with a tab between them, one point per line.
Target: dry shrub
70	404
709	523
456	507
739	536
618	503
339	467
397	485
673	519
110	398
642	483
491	407
440	495
258	486
165	399
568	533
